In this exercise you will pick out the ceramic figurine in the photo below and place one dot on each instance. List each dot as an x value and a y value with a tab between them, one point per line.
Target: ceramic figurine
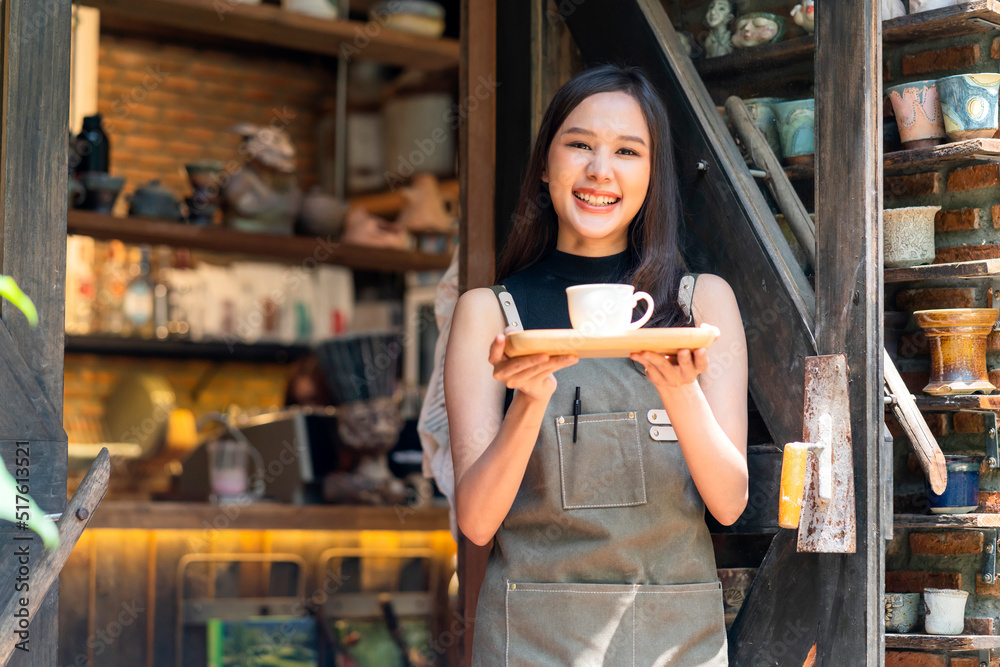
718	16
893	8
264	195
796	125
757	28
917	6
804	15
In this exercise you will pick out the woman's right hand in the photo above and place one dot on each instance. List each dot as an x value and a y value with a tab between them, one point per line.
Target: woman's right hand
532	375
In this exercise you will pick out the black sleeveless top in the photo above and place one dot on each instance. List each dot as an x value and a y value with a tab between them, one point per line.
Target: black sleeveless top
539	291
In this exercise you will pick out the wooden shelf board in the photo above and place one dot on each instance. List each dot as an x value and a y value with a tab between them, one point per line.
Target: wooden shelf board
942	155
180	349
946	521
958	403
962	19
388	204
267	246
980	268
273	26
919	159
264	516
766	55
943	642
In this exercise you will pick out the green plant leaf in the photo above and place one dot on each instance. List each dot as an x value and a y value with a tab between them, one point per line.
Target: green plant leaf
13	293
13	503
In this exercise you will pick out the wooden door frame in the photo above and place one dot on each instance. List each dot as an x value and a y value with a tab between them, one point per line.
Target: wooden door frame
34	117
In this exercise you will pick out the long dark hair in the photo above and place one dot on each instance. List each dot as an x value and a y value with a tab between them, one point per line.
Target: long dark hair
654	260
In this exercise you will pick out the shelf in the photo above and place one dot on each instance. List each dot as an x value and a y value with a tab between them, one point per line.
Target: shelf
980	268
254	25
942	155
388	204
958	403
962	19
264	516
178	349
946	521
921	159
265	246
943	642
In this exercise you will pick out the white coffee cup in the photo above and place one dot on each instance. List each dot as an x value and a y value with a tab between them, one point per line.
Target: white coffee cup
606	309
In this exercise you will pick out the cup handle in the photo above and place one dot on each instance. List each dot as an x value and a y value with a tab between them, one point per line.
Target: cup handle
636	298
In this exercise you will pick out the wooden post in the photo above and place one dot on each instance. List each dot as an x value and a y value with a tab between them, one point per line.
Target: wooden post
477	158
34	118
849	303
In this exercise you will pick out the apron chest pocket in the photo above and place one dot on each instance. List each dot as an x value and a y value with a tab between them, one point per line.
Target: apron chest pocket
603	468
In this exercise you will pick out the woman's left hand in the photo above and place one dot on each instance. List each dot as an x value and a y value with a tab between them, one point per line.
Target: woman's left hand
674	371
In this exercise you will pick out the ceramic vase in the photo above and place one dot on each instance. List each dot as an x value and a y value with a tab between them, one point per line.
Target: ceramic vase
892	9
918	114
901	611
908	234
796	125
969	105
957	340
760	110
917	6
945	611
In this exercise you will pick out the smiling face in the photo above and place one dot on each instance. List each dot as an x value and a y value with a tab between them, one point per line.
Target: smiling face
598	172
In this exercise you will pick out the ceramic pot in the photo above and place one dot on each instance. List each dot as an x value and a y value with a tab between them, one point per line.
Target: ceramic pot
918	114
797	128
323	9
102	191
418	17
908	235
902	610
945	611
763	116
957	339
917	6
892	9
961	495
969	105
890	135
415	139
322	214
204	173
154	201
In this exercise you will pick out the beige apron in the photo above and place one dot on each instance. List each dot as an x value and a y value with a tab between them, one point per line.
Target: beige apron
604	557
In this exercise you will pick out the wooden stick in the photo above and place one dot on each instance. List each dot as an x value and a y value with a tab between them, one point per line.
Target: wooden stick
762	155
46	565
921	439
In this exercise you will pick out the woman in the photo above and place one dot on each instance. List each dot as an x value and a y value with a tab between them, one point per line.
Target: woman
602	556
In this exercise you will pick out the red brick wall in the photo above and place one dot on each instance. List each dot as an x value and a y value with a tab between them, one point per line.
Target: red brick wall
166	105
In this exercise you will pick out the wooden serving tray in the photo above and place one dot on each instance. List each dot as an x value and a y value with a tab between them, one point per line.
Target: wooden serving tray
570	341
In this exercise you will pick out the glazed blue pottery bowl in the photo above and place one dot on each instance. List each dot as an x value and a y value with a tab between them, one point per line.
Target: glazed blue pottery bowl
969	105
962	493
797	127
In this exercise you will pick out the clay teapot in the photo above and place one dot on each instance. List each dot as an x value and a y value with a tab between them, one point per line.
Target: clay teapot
154	201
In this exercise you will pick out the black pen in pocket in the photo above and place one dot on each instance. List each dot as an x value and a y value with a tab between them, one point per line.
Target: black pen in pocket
576	412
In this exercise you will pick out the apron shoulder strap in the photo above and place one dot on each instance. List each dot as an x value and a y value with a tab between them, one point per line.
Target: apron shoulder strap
507	307
685	295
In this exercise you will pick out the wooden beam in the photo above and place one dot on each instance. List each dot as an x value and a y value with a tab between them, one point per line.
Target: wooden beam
849	302
477	145
34	113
